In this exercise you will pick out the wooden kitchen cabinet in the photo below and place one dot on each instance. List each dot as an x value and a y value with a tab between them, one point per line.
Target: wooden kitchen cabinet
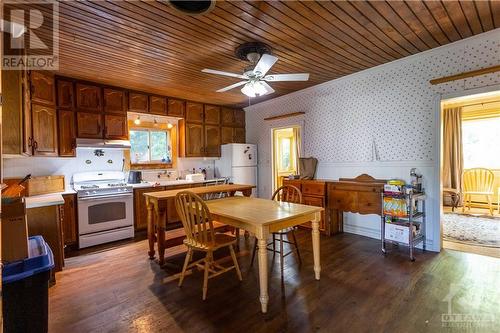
239	135
194	112
88	97
212	114
239	118
67	133
138	102
65	94
212	141
89	125
140	207
176	107
69	219
194	143
43	89
158	105
227	116
226	135
44	120
115	101
115	127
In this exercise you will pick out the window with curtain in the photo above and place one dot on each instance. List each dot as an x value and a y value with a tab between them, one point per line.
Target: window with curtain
480	139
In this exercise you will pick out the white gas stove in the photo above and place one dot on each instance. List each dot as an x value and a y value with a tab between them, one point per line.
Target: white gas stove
105	207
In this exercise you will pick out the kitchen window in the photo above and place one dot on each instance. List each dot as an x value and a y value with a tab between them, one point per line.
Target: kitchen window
480	138
150	146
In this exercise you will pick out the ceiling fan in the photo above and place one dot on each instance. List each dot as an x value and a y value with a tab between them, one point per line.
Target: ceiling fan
254	76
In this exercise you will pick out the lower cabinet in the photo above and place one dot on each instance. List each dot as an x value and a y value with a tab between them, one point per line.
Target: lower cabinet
69	220
140	208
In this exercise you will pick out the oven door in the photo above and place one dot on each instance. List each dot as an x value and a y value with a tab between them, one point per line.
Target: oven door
105	213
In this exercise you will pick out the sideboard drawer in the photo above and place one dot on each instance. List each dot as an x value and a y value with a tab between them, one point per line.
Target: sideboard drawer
313	188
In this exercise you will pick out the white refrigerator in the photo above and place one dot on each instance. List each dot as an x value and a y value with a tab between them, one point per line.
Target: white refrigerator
238	162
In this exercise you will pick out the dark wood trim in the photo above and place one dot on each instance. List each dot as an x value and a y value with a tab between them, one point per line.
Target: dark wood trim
466	75
288	115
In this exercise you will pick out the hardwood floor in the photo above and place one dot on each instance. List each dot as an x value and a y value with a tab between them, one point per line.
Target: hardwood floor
120	290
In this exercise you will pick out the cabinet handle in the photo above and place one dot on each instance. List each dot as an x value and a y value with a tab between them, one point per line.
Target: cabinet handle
30	142
35	145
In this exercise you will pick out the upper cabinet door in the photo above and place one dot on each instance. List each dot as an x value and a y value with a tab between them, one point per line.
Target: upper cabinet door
42	88
176	108
44	130
227	116
239	118
194	140
65	94
138	102
115	101
194	112
89	125
115	127
88	97
212	141
158	105
239	135
226	135
212	114
67	133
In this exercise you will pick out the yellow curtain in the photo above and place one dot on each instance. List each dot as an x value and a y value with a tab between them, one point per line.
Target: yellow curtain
296	139
452	148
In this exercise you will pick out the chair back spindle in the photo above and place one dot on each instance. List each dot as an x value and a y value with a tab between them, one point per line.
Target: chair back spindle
287	193
196	218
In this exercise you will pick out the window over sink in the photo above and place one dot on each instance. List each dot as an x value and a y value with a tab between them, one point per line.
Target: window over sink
152	142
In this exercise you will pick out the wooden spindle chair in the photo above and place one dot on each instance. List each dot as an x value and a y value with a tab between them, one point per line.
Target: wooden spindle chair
200	236
286	193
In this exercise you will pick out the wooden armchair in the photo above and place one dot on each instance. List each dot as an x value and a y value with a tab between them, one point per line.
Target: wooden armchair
200	236
478	181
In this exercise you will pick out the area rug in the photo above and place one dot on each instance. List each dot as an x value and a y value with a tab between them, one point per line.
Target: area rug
484	231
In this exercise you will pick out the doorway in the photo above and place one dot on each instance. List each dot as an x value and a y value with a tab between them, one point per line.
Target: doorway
286	152
471	173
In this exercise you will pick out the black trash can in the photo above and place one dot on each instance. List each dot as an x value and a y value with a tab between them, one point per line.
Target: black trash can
26	290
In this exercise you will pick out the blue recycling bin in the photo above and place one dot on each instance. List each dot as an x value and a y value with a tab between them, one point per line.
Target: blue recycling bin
26	289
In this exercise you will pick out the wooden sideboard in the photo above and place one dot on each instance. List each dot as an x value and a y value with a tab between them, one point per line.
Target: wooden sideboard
356	195
313	194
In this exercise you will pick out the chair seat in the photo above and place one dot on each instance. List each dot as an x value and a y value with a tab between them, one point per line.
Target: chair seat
451	190
220	240
478	193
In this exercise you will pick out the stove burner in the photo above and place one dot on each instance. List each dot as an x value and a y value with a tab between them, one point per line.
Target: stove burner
88	187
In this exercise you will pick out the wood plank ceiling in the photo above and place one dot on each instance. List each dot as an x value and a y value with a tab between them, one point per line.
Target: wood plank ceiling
148	46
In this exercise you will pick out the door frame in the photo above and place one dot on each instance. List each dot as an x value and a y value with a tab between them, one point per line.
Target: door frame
437	185
300	126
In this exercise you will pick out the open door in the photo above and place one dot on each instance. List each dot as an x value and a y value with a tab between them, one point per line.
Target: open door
286	152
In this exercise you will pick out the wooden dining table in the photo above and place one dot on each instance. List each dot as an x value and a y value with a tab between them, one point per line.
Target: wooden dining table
263	217
157	204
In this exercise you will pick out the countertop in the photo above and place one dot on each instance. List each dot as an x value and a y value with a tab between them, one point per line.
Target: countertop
44	200
172	182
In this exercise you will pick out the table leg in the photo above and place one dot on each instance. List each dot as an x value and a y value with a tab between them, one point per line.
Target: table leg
151	230
160	222
263	278
315	242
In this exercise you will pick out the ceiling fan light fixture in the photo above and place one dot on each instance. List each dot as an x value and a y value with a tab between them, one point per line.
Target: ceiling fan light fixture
254	88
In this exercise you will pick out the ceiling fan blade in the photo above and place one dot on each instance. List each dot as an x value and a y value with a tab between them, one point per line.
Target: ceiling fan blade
232	86
269	89
286	77
265	63
213	71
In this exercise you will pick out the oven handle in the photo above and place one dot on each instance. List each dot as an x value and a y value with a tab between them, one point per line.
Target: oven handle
100	198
